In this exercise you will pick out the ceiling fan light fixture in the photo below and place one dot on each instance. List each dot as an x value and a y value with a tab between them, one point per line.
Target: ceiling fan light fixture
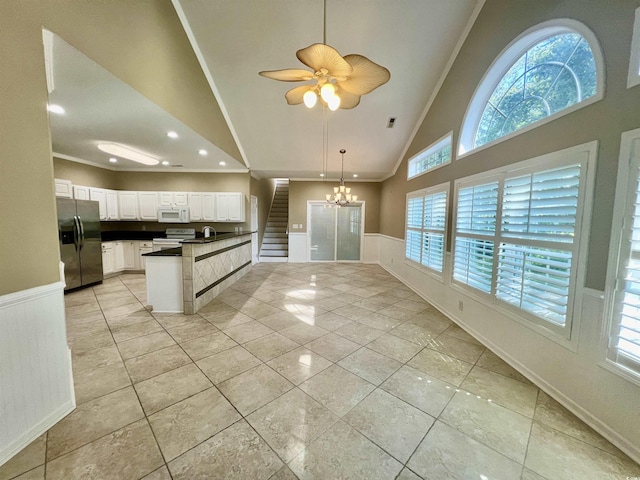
327	92
310	99
334	103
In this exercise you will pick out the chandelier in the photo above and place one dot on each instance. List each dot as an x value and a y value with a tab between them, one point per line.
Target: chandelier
341	195
338	81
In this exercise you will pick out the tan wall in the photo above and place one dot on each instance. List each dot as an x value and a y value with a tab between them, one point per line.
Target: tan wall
301	192
612	23
87	175
263	189
143	44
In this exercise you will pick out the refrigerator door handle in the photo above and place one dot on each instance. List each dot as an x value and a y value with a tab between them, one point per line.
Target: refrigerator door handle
76	232
81	231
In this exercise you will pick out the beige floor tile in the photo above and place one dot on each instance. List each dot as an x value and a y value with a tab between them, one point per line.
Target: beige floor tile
146	344
454	347
221	366
184	425
199	327
332	347
280	320
35	474
175	320
93	420
80	332
248	331
231	318
448	453
337	389
90	384
557	456
490	361
260	310
370	304
303	333
432	320
254	388
291	423
407	474
155	363
351	311
161	474
138	329
441	366
30	457
530	475
458	332
370	365
120	310
516	396
284	473
420	390
207	345
127	320
88	343
171	387
352	454
394	347
417	334
331	321
397	313
359	333
127	453
109	301
390	423
82	309
235	453
497	427
379	321
299	365
270	346
96	358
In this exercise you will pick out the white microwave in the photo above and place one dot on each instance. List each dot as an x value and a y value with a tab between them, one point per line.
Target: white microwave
173	214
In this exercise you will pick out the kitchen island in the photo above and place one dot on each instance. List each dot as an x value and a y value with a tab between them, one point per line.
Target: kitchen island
186	279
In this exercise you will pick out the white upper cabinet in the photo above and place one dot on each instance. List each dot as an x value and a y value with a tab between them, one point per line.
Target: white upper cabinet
148	205
208	206
80	192
113	212
195	206
107	201
173	199
63	188
229	207
181	199
128	205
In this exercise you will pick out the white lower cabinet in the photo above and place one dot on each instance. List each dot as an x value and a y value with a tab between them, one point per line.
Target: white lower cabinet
118	254
108	260
143	247
124	255
129	252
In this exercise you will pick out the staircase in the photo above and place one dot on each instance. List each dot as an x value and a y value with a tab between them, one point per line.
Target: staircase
275	243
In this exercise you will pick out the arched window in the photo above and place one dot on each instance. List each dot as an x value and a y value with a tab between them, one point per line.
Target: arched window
548	71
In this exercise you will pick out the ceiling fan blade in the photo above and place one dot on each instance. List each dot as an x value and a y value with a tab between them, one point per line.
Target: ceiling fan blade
348	100
319	56
366	76
288	75
295	95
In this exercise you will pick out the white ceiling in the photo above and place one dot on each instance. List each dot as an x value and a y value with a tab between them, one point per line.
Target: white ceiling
234	40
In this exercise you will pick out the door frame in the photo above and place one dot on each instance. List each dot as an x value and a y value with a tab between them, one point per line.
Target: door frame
310	203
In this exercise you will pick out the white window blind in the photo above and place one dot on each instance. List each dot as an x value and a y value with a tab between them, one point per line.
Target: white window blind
426	221
516	238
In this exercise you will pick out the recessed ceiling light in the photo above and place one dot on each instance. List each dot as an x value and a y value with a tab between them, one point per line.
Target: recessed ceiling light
127	152
53	108
202	152
355	175
172	134
322	174
113	160
222	164
165	163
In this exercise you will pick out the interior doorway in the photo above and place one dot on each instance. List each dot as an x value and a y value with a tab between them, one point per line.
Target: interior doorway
335	234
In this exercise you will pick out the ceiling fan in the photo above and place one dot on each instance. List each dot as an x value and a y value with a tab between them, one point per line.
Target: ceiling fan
339	81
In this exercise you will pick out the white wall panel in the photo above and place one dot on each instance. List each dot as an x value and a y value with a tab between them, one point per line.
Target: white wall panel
297	247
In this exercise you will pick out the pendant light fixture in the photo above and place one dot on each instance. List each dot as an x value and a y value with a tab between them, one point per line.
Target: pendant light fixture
341	195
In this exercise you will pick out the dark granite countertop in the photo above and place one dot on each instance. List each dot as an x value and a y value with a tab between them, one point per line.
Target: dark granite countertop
115	235
217	238
169	252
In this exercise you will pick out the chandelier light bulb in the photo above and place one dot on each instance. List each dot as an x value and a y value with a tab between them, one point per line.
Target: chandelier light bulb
328	197
354	198
310	98
335	189
327	92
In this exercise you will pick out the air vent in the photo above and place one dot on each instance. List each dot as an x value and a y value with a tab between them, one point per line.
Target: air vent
177	166
392	122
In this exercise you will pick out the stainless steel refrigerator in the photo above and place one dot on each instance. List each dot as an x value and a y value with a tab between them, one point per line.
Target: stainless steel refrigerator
80	242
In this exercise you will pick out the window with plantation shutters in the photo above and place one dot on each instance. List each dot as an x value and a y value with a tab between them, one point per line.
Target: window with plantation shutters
623	282
516	235
426	222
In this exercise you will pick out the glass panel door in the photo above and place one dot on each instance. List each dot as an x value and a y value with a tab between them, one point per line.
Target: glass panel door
323	233
335	234
348	234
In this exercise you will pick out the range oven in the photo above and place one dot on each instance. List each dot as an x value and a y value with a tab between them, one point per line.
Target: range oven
174	239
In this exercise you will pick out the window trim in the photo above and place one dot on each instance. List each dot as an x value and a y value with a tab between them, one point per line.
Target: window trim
504	61
633	78
433	148
567	336
442	187
613	263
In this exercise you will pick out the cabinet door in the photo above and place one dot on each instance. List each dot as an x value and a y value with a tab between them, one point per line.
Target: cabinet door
80	192
107	258
63	188
112	205
208	206
148	203
143	247
118	255
222	207
195	206
130	250
181	199
236	207
165	199
128	205
99	195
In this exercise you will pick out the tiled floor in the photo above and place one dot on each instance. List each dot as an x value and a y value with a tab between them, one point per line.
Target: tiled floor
312	371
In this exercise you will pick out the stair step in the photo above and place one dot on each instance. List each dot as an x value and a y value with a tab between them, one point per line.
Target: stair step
274	253
275	241
271	247
275	235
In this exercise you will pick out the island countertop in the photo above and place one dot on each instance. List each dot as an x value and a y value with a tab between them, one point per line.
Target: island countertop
167	252
217	238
